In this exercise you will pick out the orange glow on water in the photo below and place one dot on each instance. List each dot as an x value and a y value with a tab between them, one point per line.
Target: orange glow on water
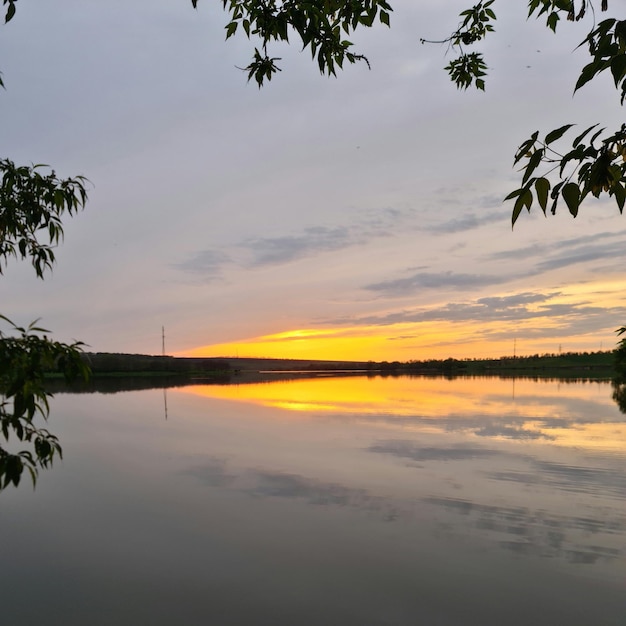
519	409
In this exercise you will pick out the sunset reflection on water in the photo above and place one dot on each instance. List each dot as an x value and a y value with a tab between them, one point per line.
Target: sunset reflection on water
355	501
557	412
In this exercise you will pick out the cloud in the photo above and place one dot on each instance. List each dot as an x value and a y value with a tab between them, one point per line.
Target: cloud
264	251
313	240
434	280
583	254
579	250
310	241
568	252
515	301
207	263
565	244
573	318
468	222
500	308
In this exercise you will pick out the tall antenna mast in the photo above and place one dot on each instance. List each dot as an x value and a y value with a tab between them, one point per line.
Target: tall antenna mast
163	340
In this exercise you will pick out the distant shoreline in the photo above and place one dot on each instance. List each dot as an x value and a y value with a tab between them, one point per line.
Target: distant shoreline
113	372
596	363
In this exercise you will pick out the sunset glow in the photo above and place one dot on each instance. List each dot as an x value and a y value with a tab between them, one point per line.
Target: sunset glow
537	331
357	236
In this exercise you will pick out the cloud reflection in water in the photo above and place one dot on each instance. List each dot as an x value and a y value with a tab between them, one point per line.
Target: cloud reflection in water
524	468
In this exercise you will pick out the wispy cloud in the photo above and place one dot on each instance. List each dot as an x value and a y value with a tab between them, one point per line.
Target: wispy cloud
515	301
466	223
573	317
583	254
604	246
568	252
420	281
564	244
307	242
312	240
207	263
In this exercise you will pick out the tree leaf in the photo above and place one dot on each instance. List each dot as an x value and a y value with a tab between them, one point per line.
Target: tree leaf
557	134
10	11
525	199
542	188
583	135
513	194
571	195
533	163
588	72
231	28
618	68
620	196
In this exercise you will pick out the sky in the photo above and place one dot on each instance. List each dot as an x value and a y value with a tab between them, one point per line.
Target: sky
358	217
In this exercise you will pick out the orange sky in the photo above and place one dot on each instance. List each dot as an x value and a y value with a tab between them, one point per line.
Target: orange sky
539	333
380	344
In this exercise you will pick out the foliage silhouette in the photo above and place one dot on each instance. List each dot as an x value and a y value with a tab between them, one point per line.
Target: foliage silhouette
552	175
32	203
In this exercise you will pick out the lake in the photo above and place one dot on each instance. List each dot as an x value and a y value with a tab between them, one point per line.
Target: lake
328	501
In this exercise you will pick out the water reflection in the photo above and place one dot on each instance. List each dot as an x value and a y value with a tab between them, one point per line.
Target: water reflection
384	502
619	393
556	412
540	474
523	530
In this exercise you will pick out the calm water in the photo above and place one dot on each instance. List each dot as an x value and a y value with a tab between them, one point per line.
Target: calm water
347	501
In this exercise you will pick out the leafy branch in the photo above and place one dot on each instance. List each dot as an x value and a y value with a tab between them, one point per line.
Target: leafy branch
319	24
553	8
607	48
31	204
592	168
469	68
596	167
25	360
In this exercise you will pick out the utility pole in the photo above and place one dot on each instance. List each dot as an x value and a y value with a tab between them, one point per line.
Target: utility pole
163	340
